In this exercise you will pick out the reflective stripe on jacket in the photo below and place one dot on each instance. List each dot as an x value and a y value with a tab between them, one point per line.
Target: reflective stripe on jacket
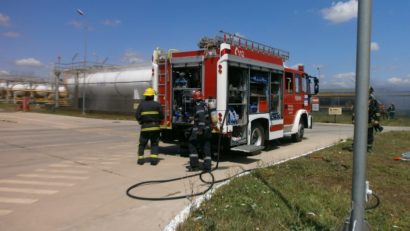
149	114
201	128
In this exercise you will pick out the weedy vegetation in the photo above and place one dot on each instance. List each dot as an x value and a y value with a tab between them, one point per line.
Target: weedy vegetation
313	192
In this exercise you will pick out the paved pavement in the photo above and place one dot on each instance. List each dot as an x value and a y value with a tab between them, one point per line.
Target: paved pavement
67	173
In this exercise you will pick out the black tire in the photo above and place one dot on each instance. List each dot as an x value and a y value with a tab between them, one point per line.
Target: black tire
297	137
257	135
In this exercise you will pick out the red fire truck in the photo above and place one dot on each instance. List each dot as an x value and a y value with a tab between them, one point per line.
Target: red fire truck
252	96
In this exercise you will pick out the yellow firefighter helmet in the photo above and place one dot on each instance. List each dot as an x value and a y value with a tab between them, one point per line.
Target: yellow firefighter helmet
149	92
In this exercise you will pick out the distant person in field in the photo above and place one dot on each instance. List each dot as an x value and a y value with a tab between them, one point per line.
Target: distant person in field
374	121
392	111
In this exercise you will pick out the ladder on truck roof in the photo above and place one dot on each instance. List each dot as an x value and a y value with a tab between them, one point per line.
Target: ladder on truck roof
163	80
248	44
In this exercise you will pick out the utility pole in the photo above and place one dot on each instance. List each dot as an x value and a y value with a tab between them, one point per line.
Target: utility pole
357	222
57	74
81	13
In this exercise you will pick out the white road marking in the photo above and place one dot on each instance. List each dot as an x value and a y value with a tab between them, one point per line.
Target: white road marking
53	176
68	166
13	200
70	144
36	183
113	158
61	171
5	212
108	163
123	156
88	158
27	190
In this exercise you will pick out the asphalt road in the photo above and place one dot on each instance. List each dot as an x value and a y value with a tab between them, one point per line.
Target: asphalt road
64	173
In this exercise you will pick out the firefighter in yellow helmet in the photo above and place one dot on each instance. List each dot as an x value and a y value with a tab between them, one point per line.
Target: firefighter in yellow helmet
149	114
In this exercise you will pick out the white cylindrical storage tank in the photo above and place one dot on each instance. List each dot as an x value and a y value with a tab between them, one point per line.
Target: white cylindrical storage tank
42	90
3	89
19	89
3	86
62	91
111	91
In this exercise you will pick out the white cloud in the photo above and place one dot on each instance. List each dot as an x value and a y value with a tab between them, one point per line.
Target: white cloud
344	80
11	34
132	57
29	62
374	46
4	20
3	72
399	81
111	22
341	11
349	76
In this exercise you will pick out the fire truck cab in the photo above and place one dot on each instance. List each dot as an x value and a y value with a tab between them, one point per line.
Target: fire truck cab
252	96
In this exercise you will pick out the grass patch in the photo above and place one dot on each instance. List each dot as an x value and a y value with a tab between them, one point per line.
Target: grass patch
312	192
346	118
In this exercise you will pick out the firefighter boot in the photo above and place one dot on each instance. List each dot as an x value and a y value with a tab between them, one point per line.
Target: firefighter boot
193	162
141	160
207	164
154	159
369	148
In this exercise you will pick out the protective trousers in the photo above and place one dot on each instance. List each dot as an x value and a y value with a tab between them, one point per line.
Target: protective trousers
153	137
370	138
200	142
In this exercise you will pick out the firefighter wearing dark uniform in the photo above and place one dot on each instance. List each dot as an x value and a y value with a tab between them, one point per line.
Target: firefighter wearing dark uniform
149	114
374	118
391	111
199	135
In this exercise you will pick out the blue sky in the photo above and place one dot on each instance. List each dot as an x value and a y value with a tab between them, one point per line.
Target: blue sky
317	33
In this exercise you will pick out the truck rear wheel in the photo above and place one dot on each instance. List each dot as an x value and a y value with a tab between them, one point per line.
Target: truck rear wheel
297	137
257	135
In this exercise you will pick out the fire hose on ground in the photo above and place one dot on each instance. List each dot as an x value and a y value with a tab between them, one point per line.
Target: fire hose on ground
211	183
